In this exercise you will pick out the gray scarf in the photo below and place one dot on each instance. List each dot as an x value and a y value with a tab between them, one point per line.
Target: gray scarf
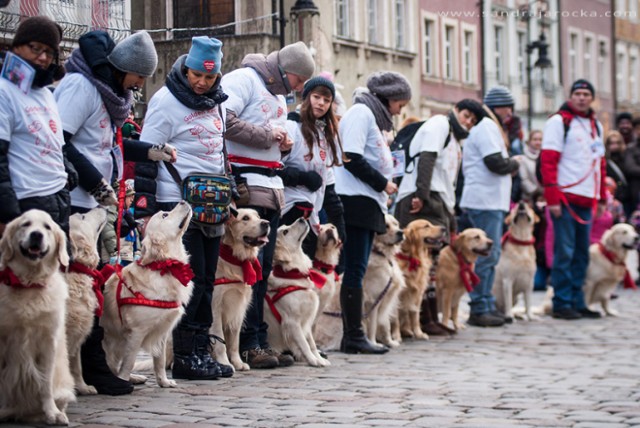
274	78
380	112
118	107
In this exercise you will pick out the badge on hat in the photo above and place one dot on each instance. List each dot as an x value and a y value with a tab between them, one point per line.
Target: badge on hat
209	65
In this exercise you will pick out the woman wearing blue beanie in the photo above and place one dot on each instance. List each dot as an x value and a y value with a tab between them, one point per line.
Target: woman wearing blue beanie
188	114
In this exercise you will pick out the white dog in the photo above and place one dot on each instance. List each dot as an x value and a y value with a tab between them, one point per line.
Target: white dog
325	262
35	382
292	303
142	308
237	271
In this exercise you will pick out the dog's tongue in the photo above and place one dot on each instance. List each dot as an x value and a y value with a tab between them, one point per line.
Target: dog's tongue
34	250
264	239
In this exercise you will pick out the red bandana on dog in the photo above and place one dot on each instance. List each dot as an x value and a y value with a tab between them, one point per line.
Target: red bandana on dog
414	263
251	269
326	268
508	237
9	278
317	278
180	271
467	275
628	281
99	278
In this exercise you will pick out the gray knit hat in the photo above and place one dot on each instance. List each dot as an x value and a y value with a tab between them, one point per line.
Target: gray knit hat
136	54
499	96
389	85
296	58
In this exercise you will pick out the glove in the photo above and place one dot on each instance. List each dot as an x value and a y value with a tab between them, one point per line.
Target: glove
114	260
162	152
72	174
104	194
311	180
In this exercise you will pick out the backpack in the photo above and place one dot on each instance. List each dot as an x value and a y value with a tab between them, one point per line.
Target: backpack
403	140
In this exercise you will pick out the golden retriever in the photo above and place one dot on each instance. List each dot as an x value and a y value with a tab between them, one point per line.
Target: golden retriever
291	303
35	382
382	284
415	262
162	277
325	262
245	234
517	265
455	271
83	297
607	265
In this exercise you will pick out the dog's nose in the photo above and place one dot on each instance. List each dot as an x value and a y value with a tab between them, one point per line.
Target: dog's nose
399	234
264	225
521	205
35	238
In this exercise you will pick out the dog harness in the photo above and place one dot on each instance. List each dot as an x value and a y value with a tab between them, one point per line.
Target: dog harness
99	278
251	269
609	255
414	263
180	271
10	279
467	275
508	237
326	268
317	278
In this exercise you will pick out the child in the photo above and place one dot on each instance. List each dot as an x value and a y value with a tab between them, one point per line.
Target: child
613	213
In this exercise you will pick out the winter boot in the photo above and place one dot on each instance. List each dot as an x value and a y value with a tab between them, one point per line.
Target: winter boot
354	341
432	302
186	362
427	323
95	370
203	350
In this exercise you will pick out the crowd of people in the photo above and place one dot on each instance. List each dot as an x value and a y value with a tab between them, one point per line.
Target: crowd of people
65	151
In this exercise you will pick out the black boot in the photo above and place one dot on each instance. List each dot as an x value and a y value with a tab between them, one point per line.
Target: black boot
203	350
186	363
432	301
95	370
354	340
428	322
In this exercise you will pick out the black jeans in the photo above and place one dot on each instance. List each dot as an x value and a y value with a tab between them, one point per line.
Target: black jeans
356	250
254	330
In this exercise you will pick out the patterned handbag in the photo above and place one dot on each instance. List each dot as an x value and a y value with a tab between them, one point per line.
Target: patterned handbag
209	196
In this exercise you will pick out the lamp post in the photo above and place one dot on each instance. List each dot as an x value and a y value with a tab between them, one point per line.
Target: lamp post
543	61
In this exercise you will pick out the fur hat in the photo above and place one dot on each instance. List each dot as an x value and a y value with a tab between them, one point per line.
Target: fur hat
296	58
205	55
136	54
314	82
499	96
389	85
38	29
583	84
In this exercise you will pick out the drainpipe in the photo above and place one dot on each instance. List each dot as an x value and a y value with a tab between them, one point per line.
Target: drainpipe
482	49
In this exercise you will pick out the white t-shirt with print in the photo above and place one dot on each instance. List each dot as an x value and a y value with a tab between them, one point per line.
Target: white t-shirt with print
85	116
31	124
250	100
300	159
483	189
581	154
360	134
196	135
431	137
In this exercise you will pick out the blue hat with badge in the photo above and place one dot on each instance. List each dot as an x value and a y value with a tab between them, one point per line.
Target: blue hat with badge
205	55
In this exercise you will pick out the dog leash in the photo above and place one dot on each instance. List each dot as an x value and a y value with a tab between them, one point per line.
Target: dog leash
375	303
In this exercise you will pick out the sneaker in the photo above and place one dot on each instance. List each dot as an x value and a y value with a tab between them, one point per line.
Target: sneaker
258	359
588	313
566	314
284	360
486	319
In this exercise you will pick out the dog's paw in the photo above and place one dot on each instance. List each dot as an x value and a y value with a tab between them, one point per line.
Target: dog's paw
56	418
406	334
240	366
421	335
612	313
167	383
85	389
137	379
531	317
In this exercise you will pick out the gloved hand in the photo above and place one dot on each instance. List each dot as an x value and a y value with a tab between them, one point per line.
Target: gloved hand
162	152
72	174
310	179
114	260
104	194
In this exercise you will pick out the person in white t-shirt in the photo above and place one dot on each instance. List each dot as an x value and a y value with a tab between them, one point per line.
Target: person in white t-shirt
32	165
316	149
486	195
364	184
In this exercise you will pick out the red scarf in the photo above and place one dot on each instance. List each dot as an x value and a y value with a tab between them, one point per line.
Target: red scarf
467	275
568	112
317	278
628	281
326	268
9	278
180	271
251	269
414	263
508	237
99	278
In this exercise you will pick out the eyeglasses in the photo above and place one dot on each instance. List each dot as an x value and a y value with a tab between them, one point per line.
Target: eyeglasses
37	51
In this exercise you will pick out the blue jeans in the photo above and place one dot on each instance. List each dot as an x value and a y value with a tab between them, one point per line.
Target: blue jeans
570	258
357	249
491	221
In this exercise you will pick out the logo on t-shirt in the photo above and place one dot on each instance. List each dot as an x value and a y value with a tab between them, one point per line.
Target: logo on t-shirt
218	124
280	111
209	65
53	126
323	155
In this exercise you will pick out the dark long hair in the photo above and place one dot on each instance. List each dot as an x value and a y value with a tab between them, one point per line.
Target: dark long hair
310	131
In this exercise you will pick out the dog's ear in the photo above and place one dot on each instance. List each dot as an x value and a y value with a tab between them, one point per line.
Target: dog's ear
61	242
536	218
7	251
608	238
507	219
283	253
458	243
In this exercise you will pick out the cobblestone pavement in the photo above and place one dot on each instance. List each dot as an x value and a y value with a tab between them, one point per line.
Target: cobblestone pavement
546	373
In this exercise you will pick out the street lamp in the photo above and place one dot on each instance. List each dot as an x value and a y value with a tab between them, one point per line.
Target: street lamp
543	61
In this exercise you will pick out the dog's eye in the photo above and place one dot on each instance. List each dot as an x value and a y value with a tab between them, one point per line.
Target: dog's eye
245	218
46	226
26	224
165	215
286	231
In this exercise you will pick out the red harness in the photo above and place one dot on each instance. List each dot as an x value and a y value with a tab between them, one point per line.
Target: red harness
180	271
99	278
10	279
317	278
326	268
467	275
414	263
628	281
251	269
508	237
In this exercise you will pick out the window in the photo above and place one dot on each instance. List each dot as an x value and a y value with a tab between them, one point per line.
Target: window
633	79
202	14
498	33
342	18
372	11
573	57
449	43
400	24
621	86
467	55
429	47
588	59
522	57
602	66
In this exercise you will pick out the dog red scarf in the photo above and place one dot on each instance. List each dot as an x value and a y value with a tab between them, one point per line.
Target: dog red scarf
9	278
251	269
414	263
628	281
317	278
326	268
467	275
99	278
508	237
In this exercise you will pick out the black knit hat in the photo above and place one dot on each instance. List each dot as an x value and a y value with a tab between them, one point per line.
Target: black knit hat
314	82
583	84
38	29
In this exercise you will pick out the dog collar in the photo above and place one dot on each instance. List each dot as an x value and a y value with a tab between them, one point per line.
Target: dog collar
99	278
508	237
10	279
628	281
469	278
251	269
326	268
414	263
317	278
